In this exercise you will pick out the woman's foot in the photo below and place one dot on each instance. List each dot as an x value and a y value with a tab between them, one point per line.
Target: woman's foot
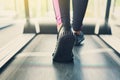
63	50
79	37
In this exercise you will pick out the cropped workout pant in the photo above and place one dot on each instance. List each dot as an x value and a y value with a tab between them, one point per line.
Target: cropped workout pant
62	12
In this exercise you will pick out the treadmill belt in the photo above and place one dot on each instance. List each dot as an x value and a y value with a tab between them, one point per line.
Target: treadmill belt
92	61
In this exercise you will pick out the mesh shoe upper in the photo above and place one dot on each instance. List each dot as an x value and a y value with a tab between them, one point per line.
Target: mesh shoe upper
78	39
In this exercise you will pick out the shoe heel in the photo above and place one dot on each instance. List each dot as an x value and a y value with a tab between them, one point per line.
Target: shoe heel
64	49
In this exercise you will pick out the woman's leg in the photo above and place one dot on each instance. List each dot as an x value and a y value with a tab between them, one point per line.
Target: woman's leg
65	42
79	9
62	9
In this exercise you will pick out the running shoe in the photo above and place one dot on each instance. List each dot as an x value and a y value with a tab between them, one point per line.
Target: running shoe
65	42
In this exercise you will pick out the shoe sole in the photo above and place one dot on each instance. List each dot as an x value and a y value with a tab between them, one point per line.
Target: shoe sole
64	49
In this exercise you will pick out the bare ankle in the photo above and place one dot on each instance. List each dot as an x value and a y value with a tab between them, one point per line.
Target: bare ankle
77	32
58	27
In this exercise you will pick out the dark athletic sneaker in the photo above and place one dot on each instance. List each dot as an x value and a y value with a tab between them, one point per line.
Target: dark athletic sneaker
78	39
63	51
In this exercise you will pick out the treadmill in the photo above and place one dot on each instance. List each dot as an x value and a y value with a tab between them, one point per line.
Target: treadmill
95	59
